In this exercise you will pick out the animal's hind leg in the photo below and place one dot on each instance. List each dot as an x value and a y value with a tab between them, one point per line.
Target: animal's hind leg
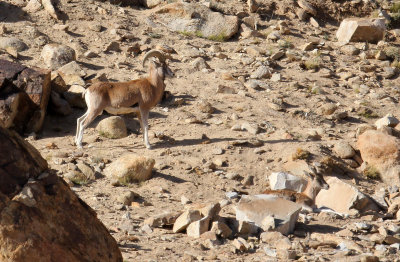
78	125
84	123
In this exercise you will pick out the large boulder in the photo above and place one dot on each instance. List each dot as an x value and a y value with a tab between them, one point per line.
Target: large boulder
383	152
370	30
344	198
199	20
258	209
24	95
41	219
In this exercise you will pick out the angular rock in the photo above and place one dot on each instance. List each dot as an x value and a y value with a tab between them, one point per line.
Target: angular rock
28	192
195	229
24	95
112	127
55	55
198	20
255	208
185	219
370	30
221	229
281	180
130	168
57	83
343	197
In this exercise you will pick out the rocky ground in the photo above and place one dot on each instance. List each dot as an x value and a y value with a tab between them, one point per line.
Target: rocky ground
237	110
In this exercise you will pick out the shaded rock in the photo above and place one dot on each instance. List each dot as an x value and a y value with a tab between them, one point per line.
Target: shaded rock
58	105
74	96
383	152
130	168
281	180
57	83
370	30
12	42
344	150
221	229
255	208
343	197
307	7
112	127
55	55
185	219
24	95
241	244
198	20
43	199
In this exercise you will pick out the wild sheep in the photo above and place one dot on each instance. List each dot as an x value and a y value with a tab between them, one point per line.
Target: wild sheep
120	96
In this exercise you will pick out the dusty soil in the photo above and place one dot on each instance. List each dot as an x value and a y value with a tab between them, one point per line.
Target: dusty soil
184	150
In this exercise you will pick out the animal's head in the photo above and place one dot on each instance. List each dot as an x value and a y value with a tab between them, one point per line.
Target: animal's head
316	177
160	66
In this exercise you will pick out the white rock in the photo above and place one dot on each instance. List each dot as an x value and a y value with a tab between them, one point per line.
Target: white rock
281	180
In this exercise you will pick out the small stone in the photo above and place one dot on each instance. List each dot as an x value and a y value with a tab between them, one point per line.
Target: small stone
314	22
344	150
276	77
112	46
241	244
261	72
232	195
185	200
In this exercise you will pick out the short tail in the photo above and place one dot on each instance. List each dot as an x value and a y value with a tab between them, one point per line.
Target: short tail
84	93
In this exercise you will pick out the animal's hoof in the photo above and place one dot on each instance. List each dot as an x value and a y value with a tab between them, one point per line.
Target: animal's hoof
148	146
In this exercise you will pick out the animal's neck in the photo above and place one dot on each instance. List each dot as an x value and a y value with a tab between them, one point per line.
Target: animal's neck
310	190
157	81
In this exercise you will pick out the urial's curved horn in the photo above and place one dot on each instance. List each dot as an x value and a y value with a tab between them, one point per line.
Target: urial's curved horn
154	53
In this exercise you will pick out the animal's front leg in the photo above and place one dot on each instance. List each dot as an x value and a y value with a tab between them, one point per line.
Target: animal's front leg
145	127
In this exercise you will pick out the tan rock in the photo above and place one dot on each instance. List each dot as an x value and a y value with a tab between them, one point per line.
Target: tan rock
369	30
184	220
343	197
221	229
74	96
383	152
112	127
130	168
255	208
196	228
